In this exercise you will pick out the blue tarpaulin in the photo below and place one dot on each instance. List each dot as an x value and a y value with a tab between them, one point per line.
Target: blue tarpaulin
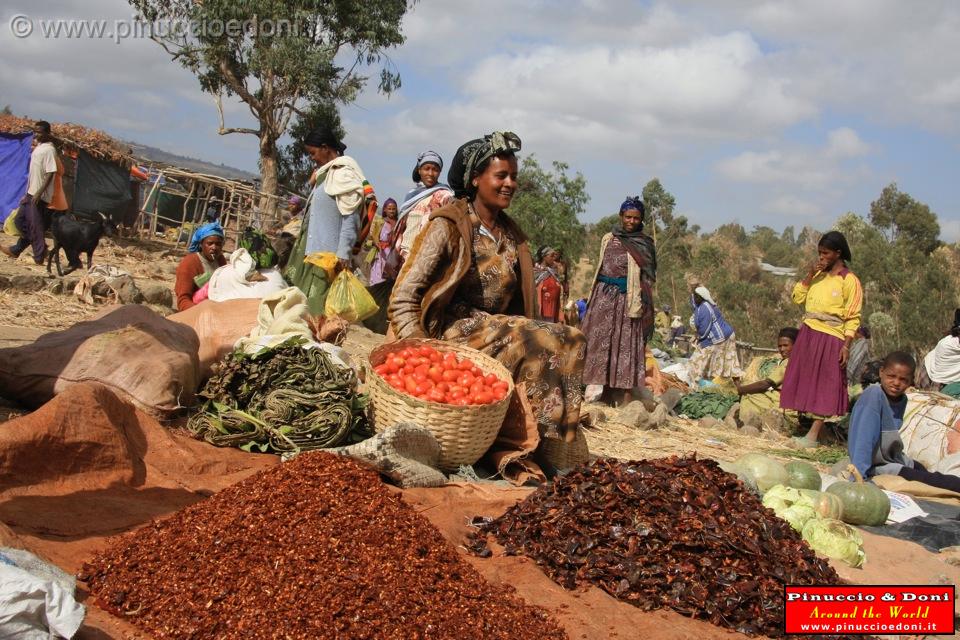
14	166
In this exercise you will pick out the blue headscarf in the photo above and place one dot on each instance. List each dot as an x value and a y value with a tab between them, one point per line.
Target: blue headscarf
204	231
634	203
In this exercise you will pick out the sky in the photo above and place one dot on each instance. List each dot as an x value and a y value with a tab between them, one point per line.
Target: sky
763	113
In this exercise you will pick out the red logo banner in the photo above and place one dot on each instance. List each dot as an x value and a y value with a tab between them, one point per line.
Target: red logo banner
870	609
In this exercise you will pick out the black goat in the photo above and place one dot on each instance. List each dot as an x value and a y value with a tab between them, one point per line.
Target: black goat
77	234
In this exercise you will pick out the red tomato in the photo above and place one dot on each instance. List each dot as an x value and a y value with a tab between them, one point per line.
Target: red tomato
391	366
435	357
420	390
406	353
426	351
428	383
443	386
460	402
451	375
410	384
400	362
501	384
435	374
484	397
450	358
418	376
466	379
456	391
436	396
465	365
477	371
422	368
499	393
491	379
381	370
396	383
406	370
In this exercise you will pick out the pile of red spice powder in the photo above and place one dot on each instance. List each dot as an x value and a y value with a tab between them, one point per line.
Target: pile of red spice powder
314	548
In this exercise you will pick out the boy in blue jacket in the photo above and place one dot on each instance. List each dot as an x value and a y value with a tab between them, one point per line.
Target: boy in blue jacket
874	443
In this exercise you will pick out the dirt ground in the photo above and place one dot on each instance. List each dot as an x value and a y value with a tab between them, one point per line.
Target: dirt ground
26	315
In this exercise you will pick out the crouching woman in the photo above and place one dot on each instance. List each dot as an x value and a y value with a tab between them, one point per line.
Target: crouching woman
469	280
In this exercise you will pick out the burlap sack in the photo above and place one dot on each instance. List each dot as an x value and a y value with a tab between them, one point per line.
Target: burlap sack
137	353
218	326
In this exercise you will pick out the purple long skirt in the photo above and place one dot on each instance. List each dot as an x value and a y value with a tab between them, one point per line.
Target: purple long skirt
814	382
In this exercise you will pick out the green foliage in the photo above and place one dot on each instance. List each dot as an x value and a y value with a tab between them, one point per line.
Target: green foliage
658	202
904	220
279	58
547	206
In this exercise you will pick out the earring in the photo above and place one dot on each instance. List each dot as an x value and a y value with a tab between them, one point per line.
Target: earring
474	183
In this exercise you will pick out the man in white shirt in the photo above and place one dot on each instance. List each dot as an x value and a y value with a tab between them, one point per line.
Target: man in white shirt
34	212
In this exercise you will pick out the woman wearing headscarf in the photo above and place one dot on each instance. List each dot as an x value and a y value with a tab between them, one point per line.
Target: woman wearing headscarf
382	231
428	195
940	369
469	279
548	284
332	221
619	318
205	256
815	382
716	353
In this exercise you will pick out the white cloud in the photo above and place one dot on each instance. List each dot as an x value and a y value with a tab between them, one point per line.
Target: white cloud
808	168
794	206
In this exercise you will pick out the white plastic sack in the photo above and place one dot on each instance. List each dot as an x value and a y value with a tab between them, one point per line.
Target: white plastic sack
931	427
240	279
32	606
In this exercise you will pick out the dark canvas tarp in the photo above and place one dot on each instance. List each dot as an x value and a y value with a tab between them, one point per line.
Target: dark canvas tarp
100	186
14	166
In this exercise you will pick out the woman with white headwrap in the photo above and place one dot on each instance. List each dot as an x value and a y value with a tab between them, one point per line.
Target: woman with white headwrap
428	195
716	354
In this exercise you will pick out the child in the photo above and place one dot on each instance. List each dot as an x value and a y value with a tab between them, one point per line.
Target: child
874	444
764	394
816	382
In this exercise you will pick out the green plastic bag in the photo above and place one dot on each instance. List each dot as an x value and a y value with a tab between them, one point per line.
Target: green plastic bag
349	299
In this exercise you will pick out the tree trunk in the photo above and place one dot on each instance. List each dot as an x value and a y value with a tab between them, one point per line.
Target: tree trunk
268	173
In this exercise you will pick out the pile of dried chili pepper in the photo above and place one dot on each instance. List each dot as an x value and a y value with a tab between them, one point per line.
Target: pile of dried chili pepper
674	532
314	548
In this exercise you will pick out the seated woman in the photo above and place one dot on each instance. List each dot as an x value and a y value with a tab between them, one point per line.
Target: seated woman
469	279
716	354
874	443
204	257
763	395
942	365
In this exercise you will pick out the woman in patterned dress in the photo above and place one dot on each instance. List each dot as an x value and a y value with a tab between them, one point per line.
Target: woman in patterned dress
469	279
619	318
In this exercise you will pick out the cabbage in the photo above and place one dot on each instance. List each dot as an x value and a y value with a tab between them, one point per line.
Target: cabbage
790	504
798	515
835	539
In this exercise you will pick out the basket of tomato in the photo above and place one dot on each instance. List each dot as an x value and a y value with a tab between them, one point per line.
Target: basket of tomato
459	394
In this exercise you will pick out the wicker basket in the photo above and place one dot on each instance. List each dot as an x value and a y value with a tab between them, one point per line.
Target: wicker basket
464	433
562	454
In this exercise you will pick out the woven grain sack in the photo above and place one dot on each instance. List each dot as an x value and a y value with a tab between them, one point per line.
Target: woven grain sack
141	356
219	325
931	428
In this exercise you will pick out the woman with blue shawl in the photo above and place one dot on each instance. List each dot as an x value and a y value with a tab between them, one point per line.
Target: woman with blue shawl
619	318
205	256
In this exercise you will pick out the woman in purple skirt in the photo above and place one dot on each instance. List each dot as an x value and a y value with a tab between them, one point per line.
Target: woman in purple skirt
619	318
815	381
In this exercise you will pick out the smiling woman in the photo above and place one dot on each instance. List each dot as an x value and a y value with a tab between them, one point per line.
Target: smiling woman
469	279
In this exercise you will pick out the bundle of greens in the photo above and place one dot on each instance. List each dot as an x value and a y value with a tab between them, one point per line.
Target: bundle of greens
283	399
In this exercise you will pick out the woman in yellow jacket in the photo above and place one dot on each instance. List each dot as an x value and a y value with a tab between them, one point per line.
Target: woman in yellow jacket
815	380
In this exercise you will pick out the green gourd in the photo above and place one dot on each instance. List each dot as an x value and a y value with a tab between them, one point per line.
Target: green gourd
767	471
802	475
864	503
826	505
